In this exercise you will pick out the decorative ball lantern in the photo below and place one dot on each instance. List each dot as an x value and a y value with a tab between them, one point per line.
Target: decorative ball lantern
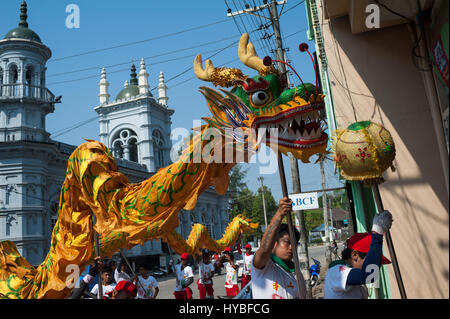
363	151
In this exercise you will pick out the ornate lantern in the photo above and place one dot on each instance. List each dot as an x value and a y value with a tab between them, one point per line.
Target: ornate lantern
363	151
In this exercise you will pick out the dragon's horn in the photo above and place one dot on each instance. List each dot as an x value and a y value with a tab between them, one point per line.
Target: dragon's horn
204	74
224	77
248	56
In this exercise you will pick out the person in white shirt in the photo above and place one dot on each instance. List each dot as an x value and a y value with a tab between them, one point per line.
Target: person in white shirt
273	272
347	278
206	273
146	284
184	277
231	283
120	272
248	260
107	282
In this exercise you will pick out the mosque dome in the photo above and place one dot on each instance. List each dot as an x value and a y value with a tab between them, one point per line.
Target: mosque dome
132	89
23	32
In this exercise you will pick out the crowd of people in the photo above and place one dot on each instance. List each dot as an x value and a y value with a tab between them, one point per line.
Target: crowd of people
270	270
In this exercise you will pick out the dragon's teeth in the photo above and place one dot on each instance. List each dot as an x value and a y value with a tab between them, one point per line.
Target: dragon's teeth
290	131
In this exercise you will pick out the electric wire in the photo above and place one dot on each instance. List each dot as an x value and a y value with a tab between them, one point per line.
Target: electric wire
145	58
251	22
293	7
140	41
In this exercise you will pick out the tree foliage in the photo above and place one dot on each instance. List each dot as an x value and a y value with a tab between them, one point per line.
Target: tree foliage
258	208
247	203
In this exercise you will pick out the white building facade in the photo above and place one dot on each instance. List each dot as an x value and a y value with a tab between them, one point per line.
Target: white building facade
135	125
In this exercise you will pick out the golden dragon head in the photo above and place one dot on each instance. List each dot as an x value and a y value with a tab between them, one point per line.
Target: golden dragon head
263	108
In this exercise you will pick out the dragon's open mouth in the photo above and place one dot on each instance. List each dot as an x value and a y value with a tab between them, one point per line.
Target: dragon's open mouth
297	127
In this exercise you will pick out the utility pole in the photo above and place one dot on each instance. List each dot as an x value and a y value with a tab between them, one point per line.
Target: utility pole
280	54
331	212
264	202
295	175
325	213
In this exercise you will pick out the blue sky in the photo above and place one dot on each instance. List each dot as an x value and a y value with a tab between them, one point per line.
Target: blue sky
105	24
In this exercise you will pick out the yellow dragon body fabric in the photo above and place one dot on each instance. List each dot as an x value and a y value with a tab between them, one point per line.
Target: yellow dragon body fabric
255	110
127	215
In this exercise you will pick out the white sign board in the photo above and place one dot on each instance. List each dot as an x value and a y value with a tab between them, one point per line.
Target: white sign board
304	201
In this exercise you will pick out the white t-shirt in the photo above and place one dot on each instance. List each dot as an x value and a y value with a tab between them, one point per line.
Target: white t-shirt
119	276
182	275
248	261
205	270
106	289
231	277
273	282
336	288
149	284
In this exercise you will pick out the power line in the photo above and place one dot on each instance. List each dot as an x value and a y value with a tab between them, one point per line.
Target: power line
30	196
145	58
159	62
251	21
261	27
127	69
294	6
140	41
67	130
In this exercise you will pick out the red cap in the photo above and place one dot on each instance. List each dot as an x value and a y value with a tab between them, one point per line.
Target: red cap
228	249
248	246
125	285
184	256
361	242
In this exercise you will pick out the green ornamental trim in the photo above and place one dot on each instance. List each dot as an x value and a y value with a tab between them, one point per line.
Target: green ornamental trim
359	125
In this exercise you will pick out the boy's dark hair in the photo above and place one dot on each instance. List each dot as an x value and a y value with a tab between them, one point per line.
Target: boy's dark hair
229	254
284	229
106	269
347	253
142	266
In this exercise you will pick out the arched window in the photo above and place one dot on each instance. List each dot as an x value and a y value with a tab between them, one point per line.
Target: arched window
1	82
209	226
192	217
53	215
158	148
13	74
29	75
125	145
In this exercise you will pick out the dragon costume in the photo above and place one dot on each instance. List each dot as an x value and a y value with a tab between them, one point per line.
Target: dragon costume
253	110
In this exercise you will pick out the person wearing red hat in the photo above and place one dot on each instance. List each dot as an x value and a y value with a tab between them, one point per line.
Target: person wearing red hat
124	290
206	273
184	277
231	268
248	260
361	260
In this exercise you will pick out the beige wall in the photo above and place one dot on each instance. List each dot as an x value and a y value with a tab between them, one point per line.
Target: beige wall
386	88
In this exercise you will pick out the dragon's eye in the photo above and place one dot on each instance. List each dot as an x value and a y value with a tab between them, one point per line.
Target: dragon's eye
259	98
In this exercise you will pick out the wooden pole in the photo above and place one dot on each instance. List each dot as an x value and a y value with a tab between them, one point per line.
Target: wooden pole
97	253
398	275
300	281
134	274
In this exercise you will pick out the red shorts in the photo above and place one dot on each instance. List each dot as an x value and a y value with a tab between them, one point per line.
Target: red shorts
233	291
183	294
245	280
205	290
